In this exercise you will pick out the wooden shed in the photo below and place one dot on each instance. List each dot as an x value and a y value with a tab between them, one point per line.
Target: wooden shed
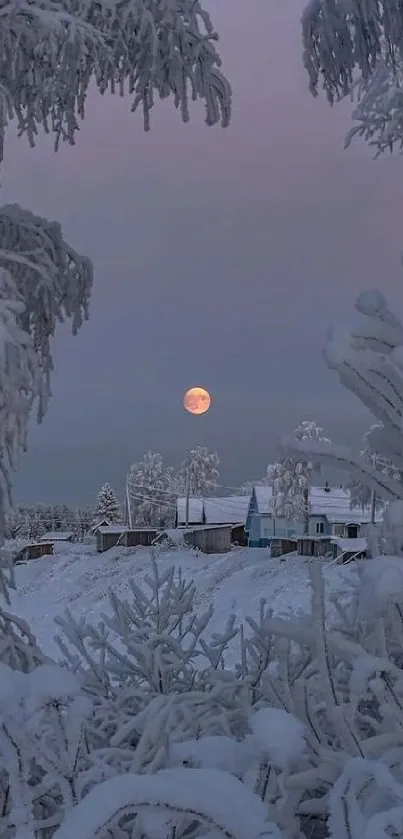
33	551
320	546
109	537
124	537
140	536
209	540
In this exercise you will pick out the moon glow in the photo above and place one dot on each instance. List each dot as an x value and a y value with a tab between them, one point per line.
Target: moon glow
197	400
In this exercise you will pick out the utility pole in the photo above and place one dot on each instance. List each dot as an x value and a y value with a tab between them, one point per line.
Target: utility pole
373	506
187	496
128	508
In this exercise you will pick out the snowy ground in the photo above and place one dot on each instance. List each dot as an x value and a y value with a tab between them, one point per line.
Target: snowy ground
78	578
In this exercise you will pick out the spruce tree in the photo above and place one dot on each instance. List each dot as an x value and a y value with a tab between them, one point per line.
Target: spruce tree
107	506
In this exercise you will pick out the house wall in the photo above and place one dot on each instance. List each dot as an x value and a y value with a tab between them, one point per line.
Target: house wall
260	527
319	526
263	528
341	529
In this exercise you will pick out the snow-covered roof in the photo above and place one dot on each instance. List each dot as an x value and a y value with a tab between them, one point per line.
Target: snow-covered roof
195	510
101	523
264	497
230	510
57	536
350	545
114	528
334	503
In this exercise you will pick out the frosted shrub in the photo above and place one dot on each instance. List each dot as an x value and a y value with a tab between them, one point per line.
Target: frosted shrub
368	359
143	731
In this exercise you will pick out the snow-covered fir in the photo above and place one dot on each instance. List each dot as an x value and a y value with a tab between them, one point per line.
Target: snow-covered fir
107	507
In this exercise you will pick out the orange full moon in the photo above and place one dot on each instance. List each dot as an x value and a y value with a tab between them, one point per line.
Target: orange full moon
197	400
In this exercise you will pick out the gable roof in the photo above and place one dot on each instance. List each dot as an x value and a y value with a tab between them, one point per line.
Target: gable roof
335	505
264	498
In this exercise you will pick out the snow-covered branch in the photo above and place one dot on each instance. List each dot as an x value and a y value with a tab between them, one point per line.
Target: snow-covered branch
341	457
143	49
211	797
350	47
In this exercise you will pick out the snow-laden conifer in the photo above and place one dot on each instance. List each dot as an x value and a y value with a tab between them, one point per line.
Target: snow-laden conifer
107	506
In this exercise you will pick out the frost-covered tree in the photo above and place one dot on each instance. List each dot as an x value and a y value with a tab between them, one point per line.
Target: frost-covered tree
200	472
351	48
154	731
51	53
83	521
290	477
107	505
151	491
361	495
369	361
142	50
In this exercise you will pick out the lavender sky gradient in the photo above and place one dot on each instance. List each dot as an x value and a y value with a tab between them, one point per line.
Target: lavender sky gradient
221	258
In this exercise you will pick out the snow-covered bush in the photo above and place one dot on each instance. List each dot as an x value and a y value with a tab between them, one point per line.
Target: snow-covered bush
144	731
369	361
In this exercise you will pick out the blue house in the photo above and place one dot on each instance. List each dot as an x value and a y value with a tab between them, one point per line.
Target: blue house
330	515
261	525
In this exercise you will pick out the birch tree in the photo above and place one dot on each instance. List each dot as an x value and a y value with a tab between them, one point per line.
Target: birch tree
290	477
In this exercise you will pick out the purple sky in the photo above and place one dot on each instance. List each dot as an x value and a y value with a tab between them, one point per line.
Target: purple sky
221	258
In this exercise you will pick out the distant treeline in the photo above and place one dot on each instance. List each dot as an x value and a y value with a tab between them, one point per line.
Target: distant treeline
33	522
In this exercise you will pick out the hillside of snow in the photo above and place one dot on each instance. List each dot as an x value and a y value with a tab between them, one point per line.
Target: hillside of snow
79	579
